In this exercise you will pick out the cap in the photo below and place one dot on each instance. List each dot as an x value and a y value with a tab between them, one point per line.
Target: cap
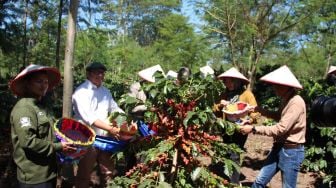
95	66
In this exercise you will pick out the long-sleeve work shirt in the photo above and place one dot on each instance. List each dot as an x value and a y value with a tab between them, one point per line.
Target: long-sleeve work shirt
91	103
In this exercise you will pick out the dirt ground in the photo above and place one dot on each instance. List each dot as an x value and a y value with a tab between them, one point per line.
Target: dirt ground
257	147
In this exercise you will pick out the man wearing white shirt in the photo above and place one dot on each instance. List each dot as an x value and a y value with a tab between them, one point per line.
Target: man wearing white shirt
92	103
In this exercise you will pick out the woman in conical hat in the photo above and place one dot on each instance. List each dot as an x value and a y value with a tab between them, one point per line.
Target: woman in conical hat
148	73
34	151
19	85
287	153
138	112
332	70
206	70
235	83
331	75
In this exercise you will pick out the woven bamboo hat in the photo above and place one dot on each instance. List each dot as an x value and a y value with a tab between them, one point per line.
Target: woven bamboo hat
171	74
207	70
282	76
148	73
233	73
332	69
17	85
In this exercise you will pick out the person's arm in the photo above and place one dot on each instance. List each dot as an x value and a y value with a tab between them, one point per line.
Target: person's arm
113	130
281	128
82	107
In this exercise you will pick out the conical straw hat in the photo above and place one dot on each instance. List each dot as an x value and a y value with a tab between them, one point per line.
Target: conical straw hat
148	73
17	85
171	74
282	76
332	69
233	73
206	70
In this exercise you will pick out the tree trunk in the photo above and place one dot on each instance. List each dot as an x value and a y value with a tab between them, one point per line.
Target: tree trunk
25	34
68	59
59	27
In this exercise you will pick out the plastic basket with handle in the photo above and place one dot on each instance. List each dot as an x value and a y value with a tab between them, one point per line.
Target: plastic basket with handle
79	135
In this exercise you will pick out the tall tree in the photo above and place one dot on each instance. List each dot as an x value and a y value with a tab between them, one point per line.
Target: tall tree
59	30
247	29
68	61
25	32
11	38
319	32
137	19
177	45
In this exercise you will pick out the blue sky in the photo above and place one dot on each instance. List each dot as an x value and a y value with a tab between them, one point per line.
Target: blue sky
188	9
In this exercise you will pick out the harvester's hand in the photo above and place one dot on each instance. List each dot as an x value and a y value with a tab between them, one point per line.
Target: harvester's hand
68	147
115	132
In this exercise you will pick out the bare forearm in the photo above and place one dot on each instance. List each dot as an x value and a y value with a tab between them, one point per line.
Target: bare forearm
106	126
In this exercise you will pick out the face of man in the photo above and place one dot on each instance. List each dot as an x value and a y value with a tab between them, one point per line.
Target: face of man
96	76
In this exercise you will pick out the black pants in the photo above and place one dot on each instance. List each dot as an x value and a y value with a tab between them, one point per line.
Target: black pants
48	184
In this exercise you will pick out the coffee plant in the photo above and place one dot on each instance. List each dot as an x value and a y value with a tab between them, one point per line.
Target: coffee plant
320	155
187	144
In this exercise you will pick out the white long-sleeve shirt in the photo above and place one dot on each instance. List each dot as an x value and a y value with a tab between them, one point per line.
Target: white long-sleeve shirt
91	103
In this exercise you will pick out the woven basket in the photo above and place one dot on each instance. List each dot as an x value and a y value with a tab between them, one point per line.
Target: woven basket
75	133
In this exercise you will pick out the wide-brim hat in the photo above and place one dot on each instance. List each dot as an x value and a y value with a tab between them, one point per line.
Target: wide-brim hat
233	73
148	73
207	70
17	85
171	74
282	76
332	69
